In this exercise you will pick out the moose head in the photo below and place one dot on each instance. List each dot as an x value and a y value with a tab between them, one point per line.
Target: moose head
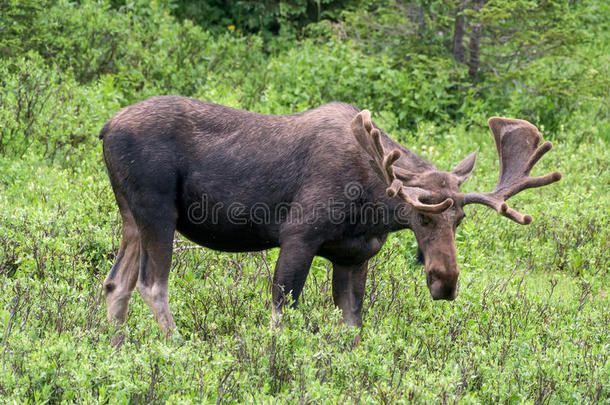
435	195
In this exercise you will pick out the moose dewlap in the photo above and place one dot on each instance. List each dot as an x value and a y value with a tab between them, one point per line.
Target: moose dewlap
325	182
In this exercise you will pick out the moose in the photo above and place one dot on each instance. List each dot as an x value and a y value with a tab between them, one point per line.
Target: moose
325	182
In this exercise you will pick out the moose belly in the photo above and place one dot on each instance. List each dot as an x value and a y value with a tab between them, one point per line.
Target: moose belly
233	239
227	226
352	250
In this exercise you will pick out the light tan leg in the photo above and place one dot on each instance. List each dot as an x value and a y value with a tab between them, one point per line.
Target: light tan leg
155	263
121	280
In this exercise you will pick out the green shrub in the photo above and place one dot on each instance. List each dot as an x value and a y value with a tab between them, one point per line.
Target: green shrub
265	17
47	112
310	74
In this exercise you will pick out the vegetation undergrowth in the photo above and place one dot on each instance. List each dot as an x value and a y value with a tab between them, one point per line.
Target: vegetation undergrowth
532	321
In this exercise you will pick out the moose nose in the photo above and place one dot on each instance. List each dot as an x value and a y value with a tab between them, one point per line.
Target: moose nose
441	289
447	294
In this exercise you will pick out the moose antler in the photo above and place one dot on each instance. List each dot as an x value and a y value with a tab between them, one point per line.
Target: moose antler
517	144
369	138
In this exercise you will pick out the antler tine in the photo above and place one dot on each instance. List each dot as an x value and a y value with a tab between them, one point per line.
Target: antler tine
388	161
517	145
369	138
540	152
408	194
500	206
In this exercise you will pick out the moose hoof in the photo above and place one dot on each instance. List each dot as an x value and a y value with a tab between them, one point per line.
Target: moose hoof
176	339
117	341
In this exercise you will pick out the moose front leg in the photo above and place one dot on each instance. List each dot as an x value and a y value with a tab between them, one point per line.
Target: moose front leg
348	291
290	274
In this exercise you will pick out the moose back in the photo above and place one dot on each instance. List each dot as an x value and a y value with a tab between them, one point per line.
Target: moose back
325	182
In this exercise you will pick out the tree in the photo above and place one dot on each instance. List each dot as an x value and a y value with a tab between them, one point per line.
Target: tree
505	36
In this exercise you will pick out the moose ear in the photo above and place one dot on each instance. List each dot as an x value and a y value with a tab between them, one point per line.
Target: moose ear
464	169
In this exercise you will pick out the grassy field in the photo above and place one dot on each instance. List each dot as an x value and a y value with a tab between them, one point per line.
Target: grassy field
531	323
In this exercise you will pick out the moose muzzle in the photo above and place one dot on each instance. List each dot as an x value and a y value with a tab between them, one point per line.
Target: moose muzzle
443	284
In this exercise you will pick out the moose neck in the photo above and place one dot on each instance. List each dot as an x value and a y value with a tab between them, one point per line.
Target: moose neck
393	215
409	160
398	211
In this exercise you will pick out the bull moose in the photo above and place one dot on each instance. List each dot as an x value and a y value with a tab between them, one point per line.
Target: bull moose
324	182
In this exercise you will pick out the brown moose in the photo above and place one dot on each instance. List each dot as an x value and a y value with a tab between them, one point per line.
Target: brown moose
323	182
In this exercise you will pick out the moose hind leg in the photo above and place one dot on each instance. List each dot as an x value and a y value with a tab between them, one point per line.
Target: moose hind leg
348	291
156	243
121	280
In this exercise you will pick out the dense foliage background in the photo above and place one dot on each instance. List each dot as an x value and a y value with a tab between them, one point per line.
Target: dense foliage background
532	322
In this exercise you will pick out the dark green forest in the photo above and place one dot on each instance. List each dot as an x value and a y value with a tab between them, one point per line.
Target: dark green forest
532	321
